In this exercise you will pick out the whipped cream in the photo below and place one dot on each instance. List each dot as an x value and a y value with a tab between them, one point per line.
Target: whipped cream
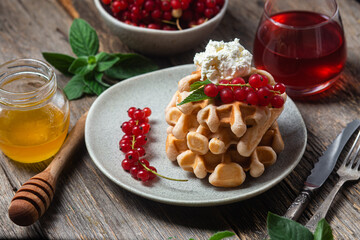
223	61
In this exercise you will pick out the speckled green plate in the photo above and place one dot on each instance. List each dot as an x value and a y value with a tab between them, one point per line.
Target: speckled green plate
154	90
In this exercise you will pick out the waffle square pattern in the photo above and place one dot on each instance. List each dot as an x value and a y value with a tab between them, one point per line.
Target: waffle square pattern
223	142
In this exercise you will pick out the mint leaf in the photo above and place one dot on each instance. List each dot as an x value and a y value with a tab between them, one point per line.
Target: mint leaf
83	38
59	61
74	88
280	228
323	231
93	85
195	96
82	66
98	77
105	61
130	65
198	84
221	235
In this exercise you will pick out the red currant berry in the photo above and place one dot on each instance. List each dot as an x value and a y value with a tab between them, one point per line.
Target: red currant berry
126	164
143	175
141	151
124	141
176	4
154	26
249	89
199	7
141	140
132	155
270	87
257	81
106	2
240	94
237	80
280	87
209	13
138	2
277	101
134	171
131	111
145	127
252	98
265	80
264	93
211	90
116	7
210	3
167	16
165	5
144	162
149	5
147	111
127	137
156	14
125	147
226	95
126	128
137	130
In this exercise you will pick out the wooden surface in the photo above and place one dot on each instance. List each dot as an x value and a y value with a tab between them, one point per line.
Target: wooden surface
88	205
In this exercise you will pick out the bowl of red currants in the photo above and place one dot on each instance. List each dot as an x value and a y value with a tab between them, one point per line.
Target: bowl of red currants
162	27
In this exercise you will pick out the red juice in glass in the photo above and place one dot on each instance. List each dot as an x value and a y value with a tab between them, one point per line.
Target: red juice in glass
305	50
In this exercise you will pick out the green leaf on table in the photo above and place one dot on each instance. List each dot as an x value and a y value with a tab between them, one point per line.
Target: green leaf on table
83	38
195	96
130	65
105	61
59	61
221	235
93	85
98	77
75	87
323	231
280	228
83	65
198	84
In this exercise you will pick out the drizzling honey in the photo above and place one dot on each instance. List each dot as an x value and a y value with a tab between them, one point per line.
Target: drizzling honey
32	135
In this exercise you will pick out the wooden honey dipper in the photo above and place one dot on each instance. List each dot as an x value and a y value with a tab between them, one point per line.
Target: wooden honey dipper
34	197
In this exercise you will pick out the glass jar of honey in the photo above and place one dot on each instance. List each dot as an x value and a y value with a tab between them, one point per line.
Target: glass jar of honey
34	112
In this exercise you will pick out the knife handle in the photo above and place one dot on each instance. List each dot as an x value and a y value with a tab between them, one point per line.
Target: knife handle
298	206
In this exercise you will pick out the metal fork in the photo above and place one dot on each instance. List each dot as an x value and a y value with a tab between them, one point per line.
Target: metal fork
349	170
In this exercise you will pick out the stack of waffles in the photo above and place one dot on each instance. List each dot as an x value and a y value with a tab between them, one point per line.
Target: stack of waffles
222	140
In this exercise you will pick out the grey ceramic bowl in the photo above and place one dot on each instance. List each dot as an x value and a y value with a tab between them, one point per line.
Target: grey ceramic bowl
160	42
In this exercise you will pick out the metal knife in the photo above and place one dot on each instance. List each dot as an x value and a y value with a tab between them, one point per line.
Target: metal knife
321	171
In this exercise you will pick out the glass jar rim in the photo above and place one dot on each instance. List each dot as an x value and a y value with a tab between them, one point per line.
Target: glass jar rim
268	16
27	98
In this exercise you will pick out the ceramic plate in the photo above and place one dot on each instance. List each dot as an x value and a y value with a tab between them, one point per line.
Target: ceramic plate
154	90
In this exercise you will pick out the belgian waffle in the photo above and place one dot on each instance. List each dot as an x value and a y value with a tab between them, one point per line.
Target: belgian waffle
225	140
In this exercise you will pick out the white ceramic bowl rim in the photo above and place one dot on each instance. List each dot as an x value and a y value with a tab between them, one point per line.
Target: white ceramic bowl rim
165	32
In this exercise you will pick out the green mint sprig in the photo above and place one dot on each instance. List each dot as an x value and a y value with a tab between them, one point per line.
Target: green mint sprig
91	68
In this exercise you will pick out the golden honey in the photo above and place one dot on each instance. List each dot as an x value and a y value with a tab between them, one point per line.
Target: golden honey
33	135
34	113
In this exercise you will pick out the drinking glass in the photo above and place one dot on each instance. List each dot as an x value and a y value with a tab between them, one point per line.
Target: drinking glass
301	43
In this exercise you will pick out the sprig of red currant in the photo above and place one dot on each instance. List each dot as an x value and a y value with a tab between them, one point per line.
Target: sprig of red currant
164	14
132	145
256	92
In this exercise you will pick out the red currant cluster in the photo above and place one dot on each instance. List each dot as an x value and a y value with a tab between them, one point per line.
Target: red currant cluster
256	92
163	14
132	144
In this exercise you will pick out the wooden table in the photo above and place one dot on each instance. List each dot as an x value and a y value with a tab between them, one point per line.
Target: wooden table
88	205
